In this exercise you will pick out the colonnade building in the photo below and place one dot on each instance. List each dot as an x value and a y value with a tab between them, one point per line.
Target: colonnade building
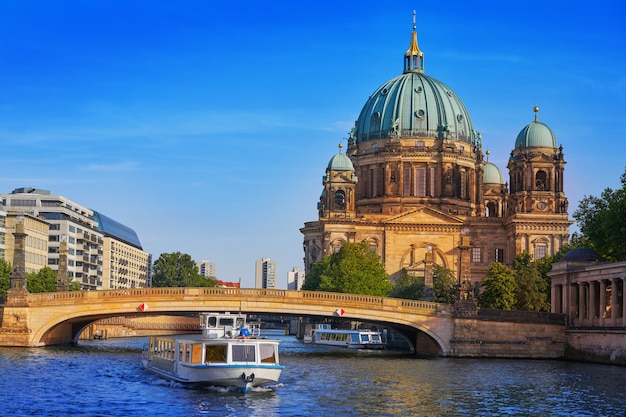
102	253
589	291
416	185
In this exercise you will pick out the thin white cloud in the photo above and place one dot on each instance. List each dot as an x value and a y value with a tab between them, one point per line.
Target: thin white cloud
119	167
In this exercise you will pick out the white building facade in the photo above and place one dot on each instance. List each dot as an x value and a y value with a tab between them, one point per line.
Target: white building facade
295	279
265	273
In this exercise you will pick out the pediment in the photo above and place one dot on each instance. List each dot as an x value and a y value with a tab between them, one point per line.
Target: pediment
424	215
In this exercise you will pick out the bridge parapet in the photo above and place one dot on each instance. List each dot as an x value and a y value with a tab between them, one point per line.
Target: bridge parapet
181	293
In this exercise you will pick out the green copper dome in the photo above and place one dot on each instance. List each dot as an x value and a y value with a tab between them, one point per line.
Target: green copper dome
492	174
414	105
340	162
536	135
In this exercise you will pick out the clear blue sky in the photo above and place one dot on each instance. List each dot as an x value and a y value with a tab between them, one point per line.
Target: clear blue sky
206	127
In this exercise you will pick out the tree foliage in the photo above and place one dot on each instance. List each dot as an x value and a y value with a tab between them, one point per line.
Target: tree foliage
408	287
353	269
412	287
530	291
445	285
602	222
178	270
5	274
43	281
498	288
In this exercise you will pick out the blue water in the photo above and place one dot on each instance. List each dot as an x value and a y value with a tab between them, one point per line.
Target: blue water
105	378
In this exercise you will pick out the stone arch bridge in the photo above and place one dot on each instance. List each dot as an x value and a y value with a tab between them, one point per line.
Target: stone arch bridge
59	317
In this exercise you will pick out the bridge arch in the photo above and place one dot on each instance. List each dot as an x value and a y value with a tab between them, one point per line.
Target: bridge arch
55	318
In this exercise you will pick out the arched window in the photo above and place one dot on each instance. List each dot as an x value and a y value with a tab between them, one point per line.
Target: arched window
340	199
541	181
492	209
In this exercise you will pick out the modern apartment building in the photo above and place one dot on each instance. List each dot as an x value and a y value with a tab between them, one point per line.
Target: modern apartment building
125	264
265	273
91	239
295	279
206	268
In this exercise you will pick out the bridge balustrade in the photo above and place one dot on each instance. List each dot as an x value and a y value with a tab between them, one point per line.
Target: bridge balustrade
338	299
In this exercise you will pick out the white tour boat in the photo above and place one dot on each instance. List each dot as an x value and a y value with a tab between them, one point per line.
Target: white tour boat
229	354
323	334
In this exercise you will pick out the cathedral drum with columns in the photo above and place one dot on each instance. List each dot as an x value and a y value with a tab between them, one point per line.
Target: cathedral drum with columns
415	185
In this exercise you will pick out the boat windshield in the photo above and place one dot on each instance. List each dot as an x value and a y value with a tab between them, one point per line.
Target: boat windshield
268	353
243	353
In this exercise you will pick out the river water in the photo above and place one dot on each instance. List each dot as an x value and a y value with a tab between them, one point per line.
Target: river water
105	378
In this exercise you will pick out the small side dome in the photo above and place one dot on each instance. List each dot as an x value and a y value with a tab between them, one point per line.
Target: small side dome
340	162
492	174
582	255
536	135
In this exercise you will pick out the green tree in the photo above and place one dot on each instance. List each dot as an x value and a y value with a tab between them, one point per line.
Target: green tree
178	270
530	291
43	281
313	278
353	269
5	274
75	286
602	222
544	265
408	287
498	288
444	285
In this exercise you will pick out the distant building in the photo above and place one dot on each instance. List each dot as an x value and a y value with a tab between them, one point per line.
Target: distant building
206	268
224	284
295	279
265	273
35	244
102	253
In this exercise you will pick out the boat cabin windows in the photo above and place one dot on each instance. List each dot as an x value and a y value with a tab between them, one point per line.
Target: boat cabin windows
163	348
243	353
365	337
219	321
190	352
354	338
215	353
267	353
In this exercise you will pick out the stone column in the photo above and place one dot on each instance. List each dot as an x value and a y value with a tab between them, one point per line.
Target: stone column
429	293
614	301
16	296
556	308
593	307
62	273
623	302
582	306
602	309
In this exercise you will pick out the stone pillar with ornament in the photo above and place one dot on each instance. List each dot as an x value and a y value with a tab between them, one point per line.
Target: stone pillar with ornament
62	274
465	305
18	279
428	294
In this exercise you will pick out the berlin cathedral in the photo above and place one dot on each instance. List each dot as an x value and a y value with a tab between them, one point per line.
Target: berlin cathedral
414	184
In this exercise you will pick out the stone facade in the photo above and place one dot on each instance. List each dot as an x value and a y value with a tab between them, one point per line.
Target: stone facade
414	183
